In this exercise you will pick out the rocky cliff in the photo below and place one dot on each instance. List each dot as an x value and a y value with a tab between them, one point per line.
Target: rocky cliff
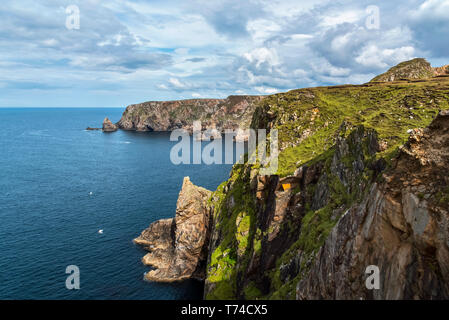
416	69
230	113
350	192
176	246
401	226
108	126
361	182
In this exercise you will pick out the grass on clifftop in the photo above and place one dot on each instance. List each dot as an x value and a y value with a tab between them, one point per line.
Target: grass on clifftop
308	119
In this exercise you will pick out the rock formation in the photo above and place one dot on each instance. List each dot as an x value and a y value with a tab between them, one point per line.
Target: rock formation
176	246
441	71
362	181
401	226
220	114
108	126
416	69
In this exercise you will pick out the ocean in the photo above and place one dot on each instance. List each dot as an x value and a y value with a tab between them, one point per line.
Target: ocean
61	184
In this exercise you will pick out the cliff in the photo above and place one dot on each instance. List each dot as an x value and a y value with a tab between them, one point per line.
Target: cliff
230	113
361	182
399	226
359	195
176	246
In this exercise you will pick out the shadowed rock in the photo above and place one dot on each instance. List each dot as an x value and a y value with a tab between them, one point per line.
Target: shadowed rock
401	227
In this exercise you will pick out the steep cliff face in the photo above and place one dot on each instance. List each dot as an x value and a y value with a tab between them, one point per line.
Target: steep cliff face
401	226
230	113
267	229
346	196
177	246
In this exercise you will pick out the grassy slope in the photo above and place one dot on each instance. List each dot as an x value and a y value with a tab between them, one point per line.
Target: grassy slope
391	109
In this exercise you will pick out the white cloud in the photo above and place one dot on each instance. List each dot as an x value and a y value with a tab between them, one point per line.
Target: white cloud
266	90
432	8
161	86
176	83
372	56
182	51
350	16
260	56
171	49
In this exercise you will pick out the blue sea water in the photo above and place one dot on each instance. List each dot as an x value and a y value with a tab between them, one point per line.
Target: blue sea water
60	184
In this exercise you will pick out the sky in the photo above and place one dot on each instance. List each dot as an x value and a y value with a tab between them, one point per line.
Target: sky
121	52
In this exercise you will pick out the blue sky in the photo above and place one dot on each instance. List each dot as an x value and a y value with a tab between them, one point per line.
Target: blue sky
127	51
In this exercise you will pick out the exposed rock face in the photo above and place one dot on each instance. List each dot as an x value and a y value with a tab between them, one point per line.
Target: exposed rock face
441	71
108	126
230	113
417	68
178	247
401	227
346	196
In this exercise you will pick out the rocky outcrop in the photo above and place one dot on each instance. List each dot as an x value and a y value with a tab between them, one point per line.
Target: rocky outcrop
220	114
178	247
280	207
108	126
441	71
401	227
416	69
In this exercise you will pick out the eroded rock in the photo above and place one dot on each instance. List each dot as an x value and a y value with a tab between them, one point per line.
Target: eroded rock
178	247
401	226
108	126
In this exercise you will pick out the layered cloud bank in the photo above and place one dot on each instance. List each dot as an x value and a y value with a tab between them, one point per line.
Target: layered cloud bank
135	51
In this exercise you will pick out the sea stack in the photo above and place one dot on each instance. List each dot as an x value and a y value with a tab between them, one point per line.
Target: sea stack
178	247
108	126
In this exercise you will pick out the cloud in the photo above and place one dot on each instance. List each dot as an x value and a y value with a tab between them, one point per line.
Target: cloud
430	26
266	57
196	59
266	90
229	17
127	51
373	56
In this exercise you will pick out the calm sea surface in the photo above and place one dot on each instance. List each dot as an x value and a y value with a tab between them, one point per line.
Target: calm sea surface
60	184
